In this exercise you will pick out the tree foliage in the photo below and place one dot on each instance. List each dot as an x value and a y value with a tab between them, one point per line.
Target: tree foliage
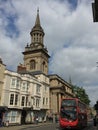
81	94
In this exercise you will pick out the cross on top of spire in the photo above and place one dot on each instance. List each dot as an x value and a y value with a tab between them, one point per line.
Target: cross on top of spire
38	10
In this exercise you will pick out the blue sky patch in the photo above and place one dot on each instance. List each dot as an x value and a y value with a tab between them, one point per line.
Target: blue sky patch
11	29
9	18
73	3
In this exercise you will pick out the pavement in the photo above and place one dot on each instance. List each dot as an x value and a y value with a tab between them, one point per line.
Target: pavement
19	127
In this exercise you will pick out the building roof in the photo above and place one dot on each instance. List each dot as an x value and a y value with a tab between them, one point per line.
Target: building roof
55	76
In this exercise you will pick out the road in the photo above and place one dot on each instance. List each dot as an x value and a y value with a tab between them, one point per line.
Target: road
45	126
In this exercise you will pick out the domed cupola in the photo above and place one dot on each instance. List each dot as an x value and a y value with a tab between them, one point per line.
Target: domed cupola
37	33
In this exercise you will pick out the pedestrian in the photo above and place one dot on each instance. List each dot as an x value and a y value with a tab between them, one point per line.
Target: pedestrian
94	121
43	119
0	122
56	119
36	119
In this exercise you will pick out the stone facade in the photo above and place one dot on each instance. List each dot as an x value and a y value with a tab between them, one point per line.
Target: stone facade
26	96
59	89
2	70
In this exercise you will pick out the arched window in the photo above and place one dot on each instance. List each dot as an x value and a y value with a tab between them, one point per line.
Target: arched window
32	64
43	66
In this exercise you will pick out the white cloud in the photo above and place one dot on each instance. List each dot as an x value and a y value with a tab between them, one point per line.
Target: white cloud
70	36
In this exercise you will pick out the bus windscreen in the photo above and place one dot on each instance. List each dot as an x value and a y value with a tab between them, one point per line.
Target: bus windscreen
68	102
69	113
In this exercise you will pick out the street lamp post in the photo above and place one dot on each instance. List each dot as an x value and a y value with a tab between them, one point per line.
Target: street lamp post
95	10
96	107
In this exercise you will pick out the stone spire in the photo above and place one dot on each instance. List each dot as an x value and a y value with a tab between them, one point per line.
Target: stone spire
37	22
37	33
70	81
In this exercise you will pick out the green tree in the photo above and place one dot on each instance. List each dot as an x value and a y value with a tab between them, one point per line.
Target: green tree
81	94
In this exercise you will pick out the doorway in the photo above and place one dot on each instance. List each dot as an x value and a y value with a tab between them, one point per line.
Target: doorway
23	117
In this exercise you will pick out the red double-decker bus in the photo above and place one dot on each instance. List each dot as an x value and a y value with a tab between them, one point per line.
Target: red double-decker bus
73	114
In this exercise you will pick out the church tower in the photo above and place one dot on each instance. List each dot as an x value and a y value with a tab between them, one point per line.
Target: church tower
36	55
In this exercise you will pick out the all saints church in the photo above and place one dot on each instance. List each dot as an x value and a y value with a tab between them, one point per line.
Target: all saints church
32	92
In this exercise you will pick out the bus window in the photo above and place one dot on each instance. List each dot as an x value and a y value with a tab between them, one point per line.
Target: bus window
68	102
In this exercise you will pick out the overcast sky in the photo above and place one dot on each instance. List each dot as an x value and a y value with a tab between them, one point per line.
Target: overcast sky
71	38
